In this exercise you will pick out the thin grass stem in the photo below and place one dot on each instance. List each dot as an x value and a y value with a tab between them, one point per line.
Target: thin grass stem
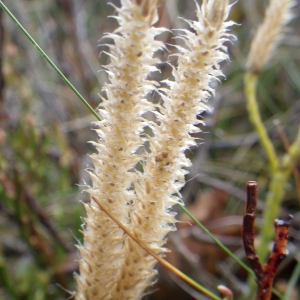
255	118
51	63
219	243
222	246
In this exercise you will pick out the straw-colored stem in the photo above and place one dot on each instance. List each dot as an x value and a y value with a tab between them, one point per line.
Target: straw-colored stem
162	261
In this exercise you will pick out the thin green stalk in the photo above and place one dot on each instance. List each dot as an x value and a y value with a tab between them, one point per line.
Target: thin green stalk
278	294
51	63
275	196
273	201
250	80
219	243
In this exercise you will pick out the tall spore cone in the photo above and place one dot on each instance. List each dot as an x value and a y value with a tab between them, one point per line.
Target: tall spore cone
269	33
163	176
103	251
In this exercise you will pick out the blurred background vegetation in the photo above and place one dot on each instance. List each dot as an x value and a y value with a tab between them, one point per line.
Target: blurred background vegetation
45	129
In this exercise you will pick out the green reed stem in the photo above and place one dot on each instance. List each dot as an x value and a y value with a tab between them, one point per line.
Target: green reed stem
218	242
255	118
51	63
222	246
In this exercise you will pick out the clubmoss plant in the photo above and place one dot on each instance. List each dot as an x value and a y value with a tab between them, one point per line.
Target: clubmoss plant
113	266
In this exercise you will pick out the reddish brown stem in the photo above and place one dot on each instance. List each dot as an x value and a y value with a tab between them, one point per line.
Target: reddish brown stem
248	230
264	274
277	255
